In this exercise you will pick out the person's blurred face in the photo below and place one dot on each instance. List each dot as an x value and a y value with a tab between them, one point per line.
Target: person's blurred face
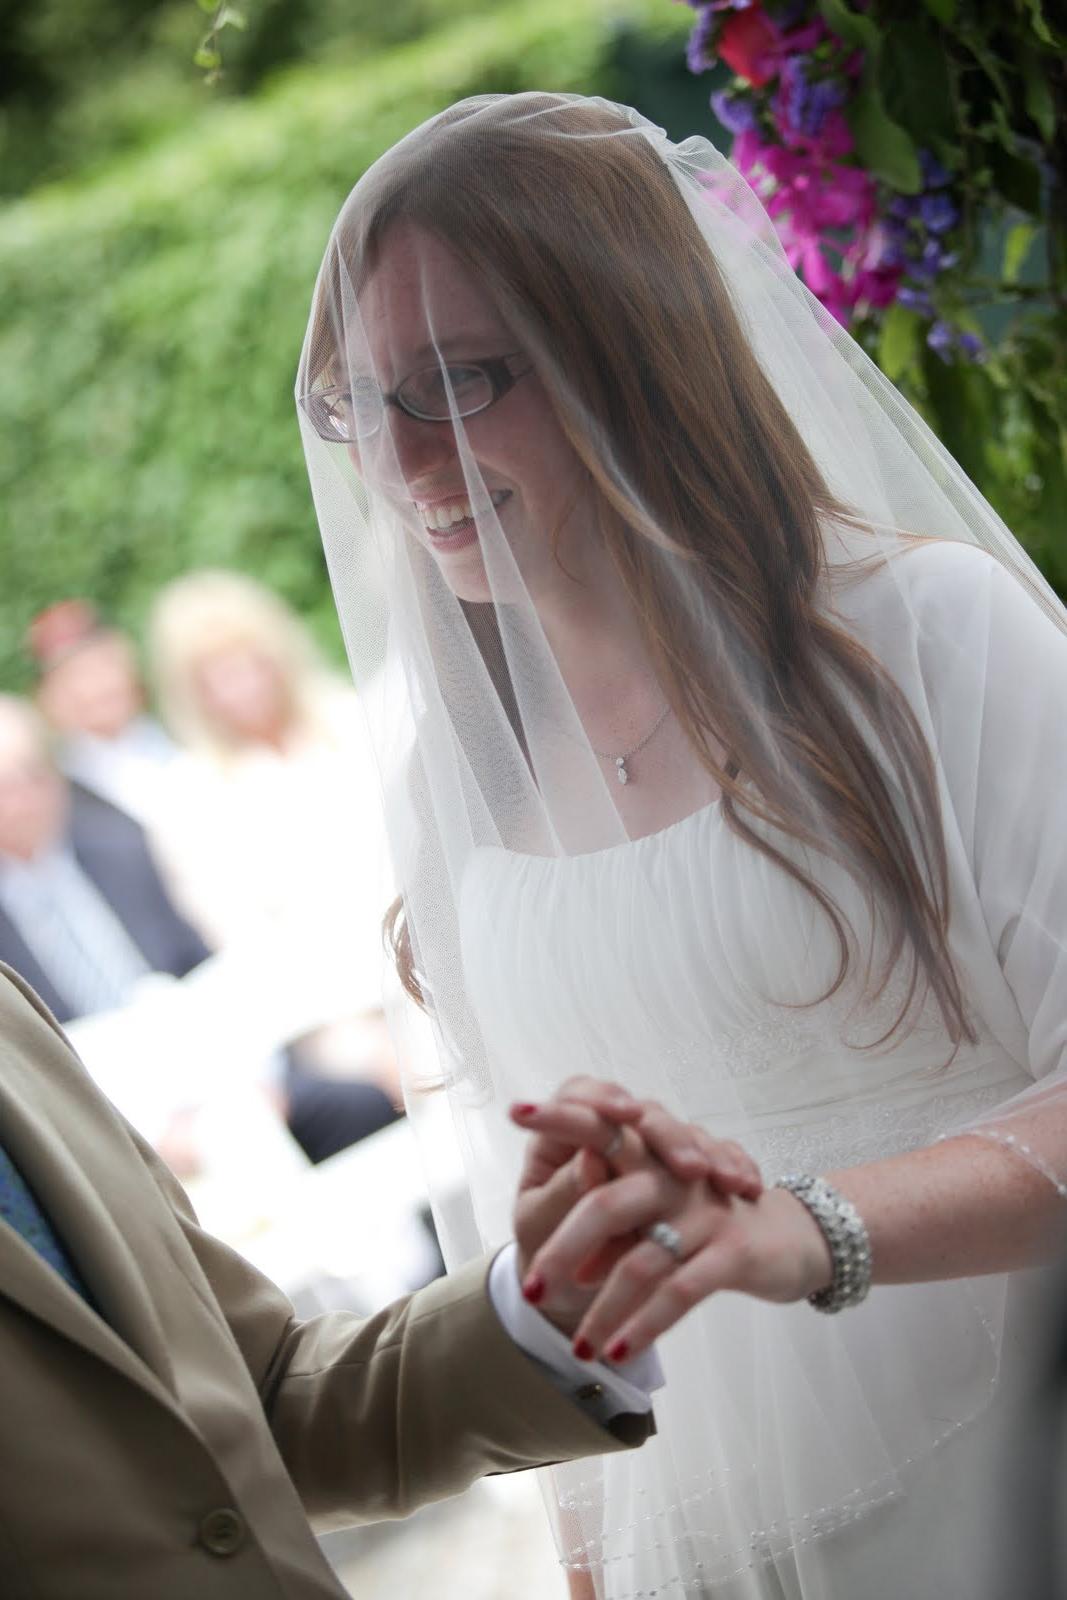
33	795
96	690
242	692
421	299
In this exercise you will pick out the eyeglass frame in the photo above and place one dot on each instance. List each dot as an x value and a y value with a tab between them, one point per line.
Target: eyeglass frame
501	380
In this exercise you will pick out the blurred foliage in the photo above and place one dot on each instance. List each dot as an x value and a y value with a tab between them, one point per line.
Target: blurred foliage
154	305
984	86
155	278
84	80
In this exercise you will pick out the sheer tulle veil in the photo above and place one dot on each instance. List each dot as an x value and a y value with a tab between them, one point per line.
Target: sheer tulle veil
550	349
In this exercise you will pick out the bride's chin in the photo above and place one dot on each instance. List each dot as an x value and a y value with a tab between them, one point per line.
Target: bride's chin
467	579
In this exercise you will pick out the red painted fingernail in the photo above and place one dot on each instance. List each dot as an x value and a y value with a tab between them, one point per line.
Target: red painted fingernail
618	1351
533	1289
583	1349
524	1109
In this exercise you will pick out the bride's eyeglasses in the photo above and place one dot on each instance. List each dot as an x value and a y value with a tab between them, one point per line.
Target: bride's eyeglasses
432	394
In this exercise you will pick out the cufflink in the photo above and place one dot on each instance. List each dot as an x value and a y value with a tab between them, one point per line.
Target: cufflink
590	1391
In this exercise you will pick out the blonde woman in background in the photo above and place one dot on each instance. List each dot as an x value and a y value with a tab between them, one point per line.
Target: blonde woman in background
270	834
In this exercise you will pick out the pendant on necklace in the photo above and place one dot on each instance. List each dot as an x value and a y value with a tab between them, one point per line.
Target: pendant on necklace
620	769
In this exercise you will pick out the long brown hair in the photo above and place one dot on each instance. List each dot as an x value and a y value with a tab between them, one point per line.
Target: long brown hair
656	359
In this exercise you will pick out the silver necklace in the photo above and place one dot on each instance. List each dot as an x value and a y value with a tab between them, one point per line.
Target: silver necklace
620	761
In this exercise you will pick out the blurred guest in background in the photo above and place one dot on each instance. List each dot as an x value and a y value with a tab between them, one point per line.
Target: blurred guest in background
86	919
91	693
272	824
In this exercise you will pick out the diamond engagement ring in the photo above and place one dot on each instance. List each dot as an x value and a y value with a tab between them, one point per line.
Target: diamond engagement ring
614	1144
662	1233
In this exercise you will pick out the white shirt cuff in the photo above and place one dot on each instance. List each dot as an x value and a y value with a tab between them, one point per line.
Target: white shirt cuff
603	1392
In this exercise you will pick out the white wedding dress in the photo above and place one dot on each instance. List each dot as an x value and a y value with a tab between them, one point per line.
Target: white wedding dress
690	411
799	1455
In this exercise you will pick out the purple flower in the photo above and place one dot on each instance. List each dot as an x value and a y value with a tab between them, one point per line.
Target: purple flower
825	97
903	207
935	176
971	346
933	261
736	112
942	340
696	50
896	234
915	300
939	212
803	106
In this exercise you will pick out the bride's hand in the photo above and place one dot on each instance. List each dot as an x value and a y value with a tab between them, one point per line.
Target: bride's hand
589	1113
770	1248
581	1138
589	1132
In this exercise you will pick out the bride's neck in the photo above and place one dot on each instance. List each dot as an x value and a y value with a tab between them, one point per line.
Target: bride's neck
591	627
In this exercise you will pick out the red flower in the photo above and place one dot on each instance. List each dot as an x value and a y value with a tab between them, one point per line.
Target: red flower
748	43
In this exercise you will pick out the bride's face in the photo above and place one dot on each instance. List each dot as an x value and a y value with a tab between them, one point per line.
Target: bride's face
421	300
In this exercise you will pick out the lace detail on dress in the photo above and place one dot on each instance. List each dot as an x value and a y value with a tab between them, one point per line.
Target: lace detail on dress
758	1049
708	1556
784	1033
866	1133
719	1565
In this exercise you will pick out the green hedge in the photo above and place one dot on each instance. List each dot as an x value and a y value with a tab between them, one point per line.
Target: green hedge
153	315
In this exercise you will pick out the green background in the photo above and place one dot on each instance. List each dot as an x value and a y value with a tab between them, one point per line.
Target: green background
159	239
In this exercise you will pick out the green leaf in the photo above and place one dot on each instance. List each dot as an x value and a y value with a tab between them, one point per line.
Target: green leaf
1037	21
851	25
1016	248
1038	94
881	144
943	10
992	65
899	345
1019	181
208	6
230	17
208	58
913	78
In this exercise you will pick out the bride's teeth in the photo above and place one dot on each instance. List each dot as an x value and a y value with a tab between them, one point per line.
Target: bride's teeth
444	517
440	518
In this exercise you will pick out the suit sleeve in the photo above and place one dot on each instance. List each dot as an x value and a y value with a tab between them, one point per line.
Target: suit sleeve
376	1416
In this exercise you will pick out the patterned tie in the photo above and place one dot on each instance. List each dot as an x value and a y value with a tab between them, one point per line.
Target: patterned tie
19	1209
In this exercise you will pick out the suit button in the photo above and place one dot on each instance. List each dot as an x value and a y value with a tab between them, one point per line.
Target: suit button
222	1532
590	1391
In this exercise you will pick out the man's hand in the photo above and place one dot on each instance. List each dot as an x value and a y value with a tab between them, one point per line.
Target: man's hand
587	1133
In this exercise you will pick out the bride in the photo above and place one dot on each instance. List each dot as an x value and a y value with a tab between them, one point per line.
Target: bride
721	727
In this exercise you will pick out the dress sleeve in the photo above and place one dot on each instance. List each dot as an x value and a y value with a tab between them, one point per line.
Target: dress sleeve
994	663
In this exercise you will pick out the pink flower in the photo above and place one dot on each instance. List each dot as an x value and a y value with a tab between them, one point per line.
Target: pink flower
825	215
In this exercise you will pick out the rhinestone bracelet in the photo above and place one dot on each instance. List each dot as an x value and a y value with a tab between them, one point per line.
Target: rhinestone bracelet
845	1233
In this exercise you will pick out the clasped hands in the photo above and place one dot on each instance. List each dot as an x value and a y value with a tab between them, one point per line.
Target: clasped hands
601	1168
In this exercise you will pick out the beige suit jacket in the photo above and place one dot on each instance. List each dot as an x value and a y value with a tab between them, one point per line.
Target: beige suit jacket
173	1446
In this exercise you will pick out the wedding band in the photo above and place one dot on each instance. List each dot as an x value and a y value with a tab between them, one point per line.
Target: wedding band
614	1144
662	1233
